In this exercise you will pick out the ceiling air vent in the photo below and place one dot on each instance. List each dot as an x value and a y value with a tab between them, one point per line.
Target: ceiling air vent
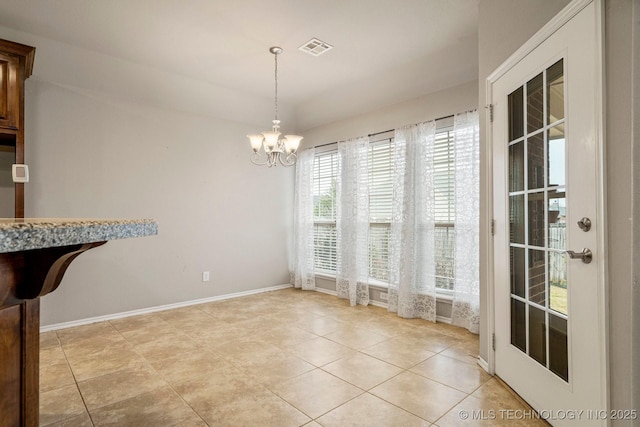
315	47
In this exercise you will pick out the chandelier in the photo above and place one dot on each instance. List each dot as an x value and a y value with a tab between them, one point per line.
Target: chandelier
276	149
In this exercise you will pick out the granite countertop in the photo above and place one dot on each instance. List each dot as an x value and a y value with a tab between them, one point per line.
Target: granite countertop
37	233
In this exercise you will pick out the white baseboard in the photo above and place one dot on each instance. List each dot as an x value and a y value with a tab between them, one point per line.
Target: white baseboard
378	303
155	309
483	364
148	310
442	319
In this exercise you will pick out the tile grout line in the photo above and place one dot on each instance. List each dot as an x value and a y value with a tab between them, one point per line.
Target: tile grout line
161	376
75	380
447	385
340	405
371	394
330	315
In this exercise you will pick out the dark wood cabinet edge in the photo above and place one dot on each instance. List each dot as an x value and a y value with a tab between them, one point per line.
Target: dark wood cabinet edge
19	201
31	274
53	277
19	49
19	187
25	277
30	378
26	55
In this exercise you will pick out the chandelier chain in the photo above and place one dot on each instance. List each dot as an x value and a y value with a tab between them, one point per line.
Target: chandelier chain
276	76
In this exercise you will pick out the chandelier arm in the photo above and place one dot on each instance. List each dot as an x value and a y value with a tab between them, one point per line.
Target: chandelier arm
272	159
256	159
288	160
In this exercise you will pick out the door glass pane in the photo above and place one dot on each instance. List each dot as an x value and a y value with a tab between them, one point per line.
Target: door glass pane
518	324
536	219
556	156
537	277
557	219
555	92
516	167
535	158
537	335
517	271
558	354
558	282
516	219
535	103
516	114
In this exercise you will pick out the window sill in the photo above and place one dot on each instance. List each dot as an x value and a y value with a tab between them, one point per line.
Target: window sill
441	295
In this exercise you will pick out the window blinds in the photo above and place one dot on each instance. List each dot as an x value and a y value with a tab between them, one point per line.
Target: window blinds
443	175
381	163
325	170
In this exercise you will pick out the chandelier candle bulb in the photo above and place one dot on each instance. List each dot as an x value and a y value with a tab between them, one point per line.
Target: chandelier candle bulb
277	150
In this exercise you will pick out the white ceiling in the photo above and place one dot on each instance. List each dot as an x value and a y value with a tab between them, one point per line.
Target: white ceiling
386	51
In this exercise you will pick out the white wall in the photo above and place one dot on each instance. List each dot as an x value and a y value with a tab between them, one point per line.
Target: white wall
428	107
619	144
387	88
635	349
76	67
94	151
7	192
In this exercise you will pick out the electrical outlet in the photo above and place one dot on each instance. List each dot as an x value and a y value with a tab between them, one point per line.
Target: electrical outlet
384	296
205	276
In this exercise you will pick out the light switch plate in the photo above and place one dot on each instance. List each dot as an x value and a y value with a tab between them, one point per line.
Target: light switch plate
20	173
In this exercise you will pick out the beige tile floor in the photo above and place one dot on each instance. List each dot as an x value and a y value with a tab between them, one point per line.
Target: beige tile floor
283	358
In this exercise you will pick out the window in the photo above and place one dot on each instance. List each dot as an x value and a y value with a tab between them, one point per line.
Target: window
380	205
443	179
325	173
381	158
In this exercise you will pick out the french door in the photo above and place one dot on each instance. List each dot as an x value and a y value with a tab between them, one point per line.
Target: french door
547	200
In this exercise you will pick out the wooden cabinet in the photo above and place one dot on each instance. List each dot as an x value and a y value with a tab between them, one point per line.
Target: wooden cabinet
16	65
9	91
25	277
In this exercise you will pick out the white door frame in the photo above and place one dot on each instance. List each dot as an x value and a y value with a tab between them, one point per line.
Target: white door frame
545	32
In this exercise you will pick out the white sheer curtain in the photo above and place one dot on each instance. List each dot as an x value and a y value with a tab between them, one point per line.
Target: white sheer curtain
352	221
466	299
412	281
301	264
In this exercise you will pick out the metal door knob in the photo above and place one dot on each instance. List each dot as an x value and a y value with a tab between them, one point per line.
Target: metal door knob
586	255
584	224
